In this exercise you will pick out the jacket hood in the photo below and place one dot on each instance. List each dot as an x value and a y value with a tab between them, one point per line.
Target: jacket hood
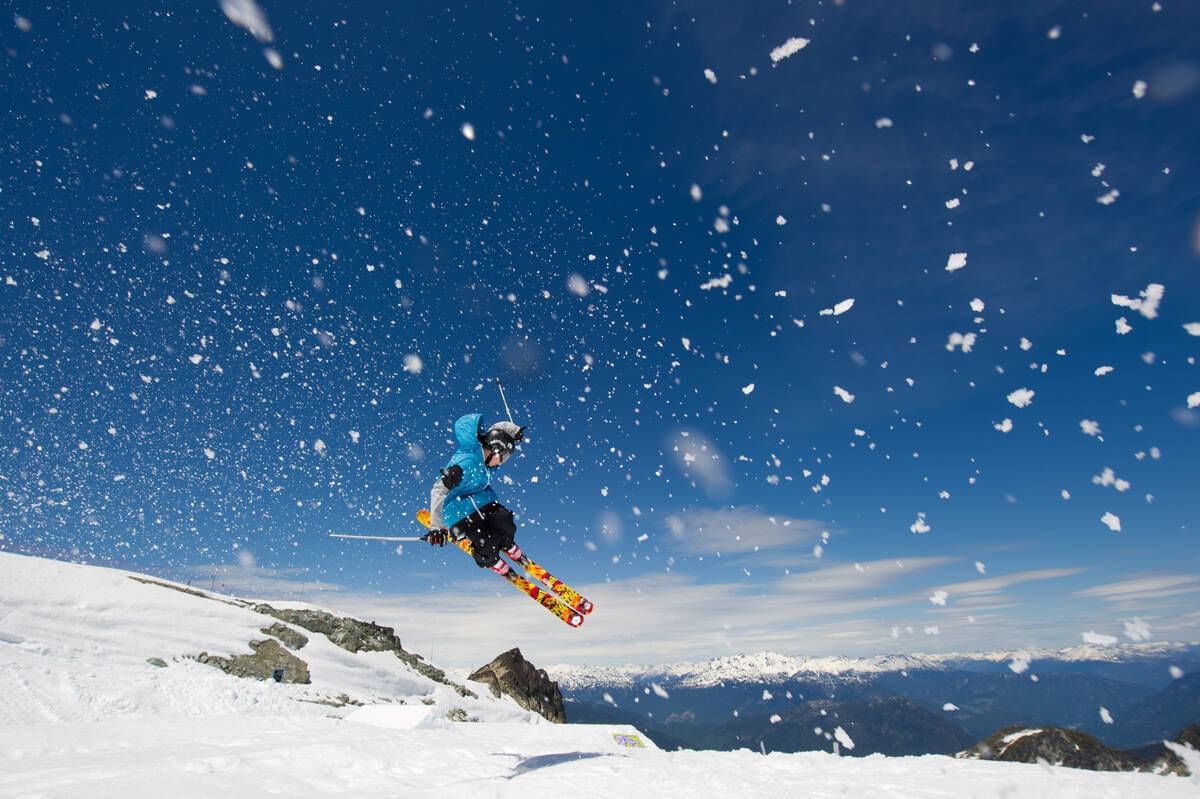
467	430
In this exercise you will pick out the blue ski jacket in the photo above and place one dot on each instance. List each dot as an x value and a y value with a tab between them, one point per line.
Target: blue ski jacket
474	490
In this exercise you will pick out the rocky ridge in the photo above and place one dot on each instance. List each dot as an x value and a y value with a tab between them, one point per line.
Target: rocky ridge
1074	749
510	674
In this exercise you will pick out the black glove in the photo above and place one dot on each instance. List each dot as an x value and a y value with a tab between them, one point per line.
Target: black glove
436	537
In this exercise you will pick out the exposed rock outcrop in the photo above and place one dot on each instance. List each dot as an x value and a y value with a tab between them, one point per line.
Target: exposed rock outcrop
1172	760
290	638
348	633
512	675
1053	745
358	636
270	661
1075	749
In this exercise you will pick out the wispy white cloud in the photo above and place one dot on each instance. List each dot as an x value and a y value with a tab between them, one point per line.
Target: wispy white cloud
835	582
250	581
740	530
994	585
843	609
857	609
1144	590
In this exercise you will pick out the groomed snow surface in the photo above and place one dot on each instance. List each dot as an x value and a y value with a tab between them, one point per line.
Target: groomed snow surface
84	715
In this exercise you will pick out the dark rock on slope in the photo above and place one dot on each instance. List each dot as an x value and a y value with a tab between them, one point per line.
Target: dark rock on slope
1057	747
290	638
512	675
358	636
270	661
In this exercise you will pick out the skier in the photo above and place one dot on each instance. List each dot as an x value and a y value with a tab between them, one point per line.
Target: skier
462	502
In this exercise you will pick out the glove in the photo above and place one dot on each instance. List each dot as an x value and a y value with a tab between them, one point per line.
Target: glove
436	537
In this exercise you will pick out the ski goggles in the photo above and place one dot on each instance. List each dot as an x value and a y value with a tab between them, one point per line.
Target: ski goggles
498	444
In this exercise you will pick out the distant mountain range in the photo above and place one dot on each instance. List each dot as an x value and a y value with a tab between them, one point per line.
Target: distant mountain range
1127	695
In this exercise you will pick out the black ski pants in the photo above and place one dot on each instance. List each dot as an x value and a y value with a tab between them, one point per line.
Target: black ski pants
491	530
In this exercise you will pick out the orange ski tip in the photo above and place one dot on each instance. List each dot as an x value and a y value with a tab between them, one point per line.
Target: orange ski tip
423	516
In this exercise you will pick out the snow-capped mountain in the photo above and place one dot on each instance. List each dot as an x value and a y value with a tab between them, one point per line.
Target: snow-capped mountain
771	667
931	703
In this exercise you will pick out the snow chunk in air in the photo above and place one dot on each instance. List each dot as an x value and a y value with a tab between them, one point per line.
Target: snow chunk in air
956	261
247	15
721	282
838	309
1109	478
846	396
788	48
1112	522
1022	397
577	284
961	340
1146	303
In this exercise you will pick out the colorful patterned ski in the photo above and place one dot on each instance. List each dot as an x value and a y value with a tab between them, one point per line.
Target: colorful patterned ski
563	611
565	592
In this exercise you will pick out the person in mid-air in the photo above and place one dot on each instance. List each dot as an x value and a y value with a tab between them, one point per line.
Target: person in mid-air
462	502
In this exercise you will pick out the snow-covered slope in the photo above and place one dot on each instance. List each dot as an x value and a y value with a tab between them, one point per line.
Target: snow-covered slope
75	641
84	715
239	756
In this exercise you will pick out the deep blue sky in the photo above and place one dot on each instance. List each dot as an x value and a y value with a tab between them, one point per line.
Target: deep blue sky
209	265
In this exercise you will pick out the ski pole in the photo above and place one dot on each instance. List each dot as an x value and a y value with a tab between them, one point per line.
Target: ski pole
378	537
503	399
